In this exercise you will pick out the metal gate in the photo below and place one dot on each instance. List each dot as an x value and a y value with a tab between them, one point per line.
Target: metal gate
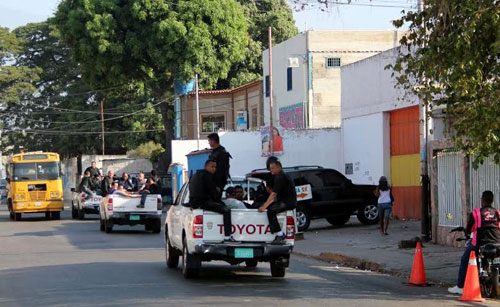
486	177
449	189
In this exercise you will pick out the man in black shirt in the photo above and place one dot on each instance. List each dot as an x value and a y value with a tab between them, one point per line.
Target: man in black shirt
221	158
107	182
93	169
483	224
282	198
203	195
86	185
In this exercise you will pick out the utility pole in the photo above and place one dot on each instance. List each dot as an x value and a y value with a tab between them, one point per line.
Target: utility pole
271	137
197	113
102	125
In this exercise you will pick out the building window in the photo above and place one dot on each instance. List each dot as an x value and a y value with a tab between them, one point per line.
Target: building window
213	123
289	79
267	86
254	121
332	62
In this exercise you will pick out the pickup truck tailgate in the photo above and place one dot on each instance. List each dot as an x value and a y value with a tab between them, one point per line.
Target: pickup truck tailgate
127	204
248	225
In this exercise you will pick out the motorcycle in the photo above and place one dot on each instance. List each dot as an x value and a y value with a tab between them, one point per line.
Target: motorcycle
488	264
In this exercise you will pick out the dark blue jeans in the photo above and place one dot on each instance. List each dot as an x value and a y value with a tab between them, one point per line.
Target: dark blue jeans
464	263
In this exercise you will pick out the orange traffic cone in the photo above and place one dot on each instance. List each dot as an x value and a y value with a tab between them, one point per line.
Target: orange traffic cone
472	289
417	277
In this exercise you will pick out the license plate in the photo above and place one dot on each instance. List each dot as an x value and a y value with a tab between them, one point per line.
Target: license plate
243	253
135	218
38	204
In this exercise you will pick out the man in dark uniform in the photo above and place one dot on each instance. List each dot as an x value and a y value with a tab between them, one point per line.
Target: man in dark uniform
203	195
93	169
282	197
221	158
86	185
107	182
483	224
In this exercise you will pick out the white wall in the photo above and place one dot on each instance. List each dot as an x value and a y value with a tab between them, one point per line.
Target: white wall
366	141
302	147
368	88
180	148
295	47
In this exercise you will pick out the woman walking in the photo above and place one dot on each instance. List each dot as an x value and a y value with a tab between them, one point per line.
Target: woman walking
385	200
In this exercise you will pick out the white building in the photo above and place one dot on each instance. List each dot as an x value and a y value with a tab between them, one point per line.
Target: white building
306	74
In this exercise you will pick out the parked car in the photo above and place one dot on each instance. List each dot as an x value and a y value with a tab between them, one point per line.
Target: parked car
326	193
197	235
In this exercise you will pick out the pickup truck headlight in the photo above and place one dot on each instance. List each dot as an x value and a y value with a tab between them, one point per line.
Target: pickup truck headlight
19	196
54	194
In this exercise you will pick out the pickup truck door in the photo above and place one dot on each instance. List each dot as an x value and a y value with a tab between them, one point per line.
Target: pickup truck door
175	230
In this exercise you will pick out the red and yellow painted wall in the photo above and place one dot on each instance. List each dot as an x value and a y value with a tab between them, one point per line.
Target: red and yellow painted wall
405	163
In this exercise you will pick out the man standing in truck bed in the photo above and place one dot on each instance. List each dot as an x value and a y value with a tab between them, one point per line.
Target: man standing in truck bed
221	158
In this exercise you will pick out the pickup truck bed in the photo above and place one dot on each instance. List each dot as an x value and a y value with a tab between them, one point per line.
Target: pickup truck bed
116	209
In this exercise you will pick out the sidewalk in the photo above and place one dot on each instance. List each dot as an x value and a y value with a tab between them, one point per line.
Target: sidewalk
363	246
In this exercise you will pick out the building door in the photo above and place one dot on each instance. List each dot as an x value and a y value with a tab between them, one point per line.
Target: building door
405	163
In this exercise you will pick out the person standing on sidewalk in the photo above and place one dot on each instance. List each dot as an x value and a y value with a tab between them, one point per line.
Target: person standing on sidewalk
483	225
221	158
385	200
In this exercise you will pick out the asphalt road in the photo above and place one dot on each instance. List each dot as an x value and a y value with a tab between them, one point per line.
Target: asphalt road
71	263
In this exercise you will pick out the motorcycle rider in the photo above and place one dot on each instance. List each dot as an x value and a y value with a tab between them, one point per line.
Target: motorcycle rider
483	224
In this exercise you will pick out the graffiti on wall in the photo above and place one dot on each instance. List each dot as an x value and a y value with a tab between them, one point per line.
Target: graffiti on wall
292	117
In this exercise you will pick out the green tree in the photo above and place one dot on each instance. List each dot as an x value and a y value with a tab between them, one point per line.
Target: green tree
149	150
454	62
260	15
15	80
151	42
64	115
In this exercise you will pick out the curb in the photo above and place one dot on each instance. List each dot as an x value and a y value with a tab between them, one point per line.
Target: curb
362	264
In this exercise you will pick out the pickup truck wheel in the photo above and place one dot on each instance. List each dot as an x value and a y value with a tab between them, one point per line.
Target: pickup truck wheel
277	269
251	263
338	220
81	214
303	218
148	226
368	214
101	228
171	255
74	212
156	226
55	215
17	216
190	263
108	226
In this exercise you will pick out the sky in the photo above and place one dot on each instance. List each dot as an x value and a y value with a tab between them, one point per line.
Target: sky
359	15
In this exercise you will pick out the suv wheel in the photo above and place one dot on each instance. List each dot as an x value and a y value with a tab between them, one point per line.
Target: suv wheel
303	218
368	214
338	220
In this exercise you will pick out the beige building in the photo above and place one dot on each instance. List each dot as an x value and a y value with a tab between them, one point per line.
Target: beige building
222	110
306	74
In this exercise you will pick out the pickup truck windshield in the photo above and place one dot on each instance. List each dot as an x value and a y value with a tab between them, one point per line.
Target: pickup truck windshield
36	171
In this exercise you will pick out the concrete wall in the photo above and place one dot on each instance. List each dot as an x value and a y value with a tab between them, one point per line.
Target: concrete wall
366	142
325	82
128	165
301	147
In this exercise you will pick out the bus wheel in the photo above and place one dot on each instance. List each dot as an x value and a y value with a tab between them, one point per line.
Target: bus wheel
56	215
17	216
47	215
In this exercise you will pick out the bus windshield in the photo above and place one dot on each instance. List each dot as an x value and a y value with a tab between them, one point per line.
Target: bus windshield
36	171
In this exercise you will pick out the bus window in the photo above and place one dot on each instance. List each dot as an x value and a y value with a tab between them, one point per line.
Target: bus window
36	171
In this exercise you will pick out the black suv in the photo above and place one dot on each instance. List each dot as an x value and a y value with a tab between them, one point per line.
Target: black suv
334	197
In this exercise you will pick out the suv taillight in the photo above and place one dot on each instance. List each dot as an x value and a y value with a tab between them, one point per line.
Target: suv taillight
290	227
110	204
159	204
198	227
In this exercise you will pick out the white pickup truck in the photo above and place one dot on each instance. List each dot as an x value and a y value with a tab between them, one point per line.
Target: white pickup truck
121	210
81	205
197	235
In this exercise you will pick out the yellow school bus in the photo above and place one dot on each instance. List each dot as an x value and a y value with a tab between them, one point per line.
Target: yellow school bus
35	185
